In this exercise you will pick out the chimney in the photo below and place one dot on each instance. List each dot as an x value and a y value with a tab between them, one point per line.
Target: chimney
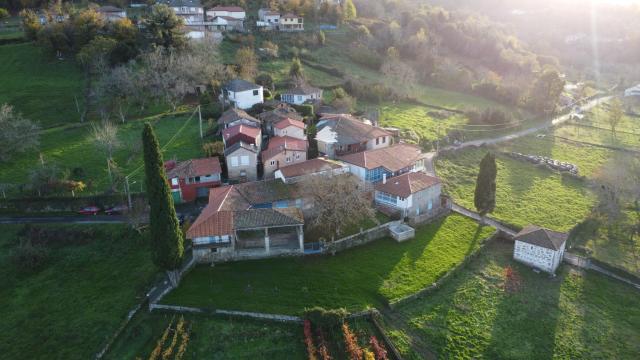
384	178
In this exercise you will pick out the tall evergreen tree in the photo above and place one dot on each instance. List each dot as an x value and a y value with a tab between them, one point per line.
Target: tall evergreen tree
485	194
166	235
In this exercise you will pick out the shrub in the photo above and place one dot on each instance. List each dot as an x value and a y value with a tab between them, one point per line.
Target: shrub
308	340
212	149
378	349
351	343
304	109
265	80
267	94
327	319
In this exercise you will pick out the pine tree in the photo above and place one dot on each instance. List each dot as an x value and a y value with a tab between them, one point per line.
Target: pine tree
166	235
485	194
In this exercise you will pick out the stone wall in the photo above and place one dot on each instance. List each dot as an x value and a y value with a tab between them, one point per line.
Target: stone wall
360	238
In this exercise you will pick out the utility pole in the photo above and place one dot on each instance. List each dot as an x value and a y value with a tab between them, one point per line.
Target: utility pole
200	117
126	189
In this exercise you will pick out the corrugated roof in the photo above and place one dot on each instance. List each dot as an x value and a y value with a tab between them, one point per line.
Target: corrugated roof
392	158
308	167
195	167
346	129
279	144
407	184
261	218
542	237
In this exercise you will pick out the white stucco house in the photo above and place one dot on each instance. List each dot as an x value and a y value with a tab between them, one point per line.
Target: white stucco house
341	134
539	247
290	127
301	94
242	94
632	91
192	12
412	194
235	12
268	19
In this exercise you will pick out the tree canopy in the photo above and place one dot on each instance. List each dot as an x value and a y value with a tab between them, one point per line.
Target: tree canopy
485	193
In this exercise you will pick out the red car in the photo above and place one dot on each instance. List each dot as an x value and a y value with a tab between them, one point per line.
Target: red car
89	210
117	210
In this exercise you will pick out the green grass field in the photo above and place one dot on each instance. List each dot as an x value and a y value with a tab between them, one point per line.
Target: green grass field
69	308
576	315
213	338
72	146
39	86
355	279
525	194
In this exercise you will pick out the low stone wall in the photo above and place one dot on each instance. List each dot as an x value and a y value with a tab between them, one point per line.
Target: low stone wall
222	312
360	238
436	285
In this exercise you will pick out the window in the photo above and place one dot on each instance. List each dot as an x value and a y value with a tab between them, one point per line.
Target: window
196	179
430	206
288	159
272	163
377	141
256	92
386	198
244	160
174	181
299	98
234	161
384	139
298	156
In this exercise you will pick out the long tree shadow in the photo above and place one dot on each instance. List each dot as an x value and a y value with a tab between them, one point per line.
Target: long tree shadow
526	317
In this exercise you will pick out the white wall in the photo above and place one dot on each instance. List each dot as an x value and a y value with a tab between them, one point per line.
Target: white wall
383	142
537	256
246	99
293	131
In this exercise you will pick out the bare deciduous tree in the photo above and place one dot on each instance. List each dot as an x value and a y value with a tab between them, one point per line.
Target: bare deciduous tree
338	202
17	134
105	136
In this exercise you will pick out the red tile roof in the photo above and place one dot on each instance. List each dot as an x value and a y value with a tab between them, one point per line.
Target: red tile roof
211	223
407	184
392	158
288	122
241	129
308	167
279	144
195	167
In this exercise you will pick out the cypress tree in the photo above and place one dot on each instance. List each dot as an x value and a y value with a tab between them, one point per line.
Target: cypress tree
485	194
166	235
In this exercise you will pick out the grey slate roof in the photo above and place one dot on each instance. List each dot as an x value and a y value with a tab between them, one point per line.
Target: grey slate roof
261	218
240	85
303	89
234	114
542	237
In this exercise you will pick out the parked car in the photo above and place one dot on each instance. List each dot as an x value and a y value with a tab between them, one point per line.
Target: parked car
117	210
89	210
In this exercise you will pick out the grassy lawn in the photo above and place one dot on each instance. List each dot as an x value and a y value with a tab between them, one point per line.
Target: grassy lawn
576	315
68	309
355	279
213	338
417	121
279	71
609	240
72	146
525	194
41	87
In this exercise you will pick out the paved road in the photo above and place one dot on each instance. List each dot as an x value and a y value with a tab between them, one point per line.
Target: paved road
547	124
98	219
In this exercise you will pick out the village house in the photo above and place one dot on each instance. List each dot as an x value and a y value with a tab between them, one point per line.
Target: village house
242	161
539	247
283	151
235	12
290	22
412	194
373	166
111	13
341	134
292	174
290	127
192	12
268	19
242	94
281	112
301	94
235	116
235	224
242	133
193	178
